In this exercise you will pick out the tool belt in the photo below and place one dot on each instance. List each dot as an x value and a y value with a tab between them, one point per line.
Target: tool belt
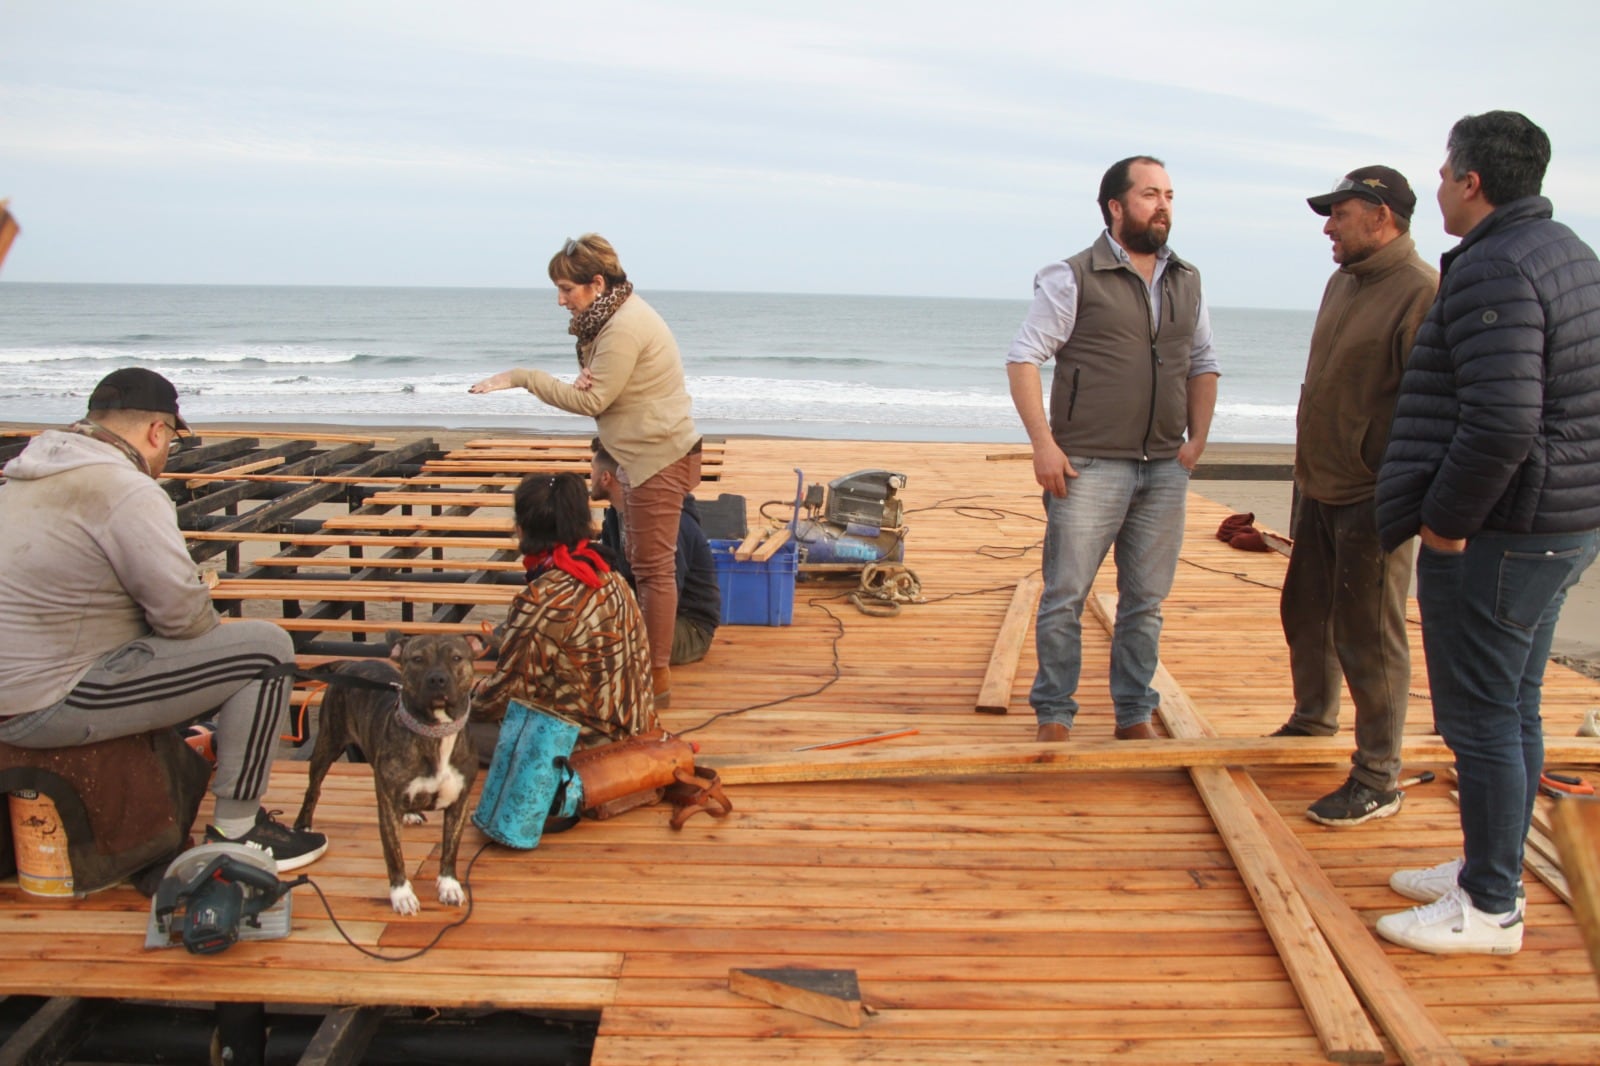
646	769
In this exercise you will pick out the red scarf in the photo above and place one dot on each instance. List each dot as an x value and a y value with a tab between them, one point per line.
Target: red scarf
582	562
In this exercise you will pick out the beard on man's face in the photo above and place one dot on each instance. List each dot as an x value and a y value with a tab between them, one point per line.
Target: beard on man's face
1146	238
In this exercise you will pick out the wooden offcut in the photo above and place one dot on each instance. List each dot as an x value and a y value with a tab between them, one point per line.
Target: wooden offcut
1575	823
832	995
770	546
995	695
747	547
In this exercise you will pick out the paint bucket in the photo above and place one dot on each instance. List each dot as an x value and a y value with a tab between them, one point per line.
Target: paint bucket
43	866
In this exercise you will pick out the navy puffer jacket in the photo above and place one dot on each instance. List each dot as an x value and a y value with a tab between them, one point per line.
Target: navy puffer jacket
1497	425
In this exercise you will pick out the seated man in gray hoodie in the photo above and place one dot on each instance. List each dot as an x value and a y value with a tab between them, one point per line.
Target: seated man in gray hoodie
106	624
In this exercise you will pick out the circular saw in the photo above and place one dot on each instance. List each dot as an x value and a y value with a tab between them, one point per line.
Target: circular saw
216	895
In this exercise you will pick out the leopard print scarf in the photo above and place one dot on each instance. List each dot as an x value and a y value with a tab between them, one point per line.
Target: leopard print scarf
586	325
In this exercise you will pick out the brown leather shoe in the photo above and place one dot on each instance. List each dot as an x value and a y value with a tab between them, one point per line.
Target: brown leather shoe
661	684
1137	731
1053	731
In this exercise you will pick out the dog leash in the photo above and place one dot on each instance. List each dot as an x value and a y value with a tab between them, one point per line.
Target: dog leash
323	676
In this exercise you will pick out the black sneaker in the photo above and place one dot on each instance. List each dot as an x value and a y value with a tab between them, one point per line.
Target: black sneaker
1353	804
1289	729
289	848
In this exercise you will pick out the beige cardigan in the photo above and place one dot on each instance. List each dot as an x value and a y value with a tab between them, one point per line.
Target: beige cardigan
638	400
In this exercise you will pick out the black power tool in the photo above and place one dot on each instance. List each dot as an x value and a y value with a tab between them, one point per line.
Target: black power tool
205	912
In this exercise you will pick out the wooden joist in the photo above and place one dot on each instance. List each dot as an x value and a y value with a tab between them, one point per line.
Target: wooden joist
995	695
1025	756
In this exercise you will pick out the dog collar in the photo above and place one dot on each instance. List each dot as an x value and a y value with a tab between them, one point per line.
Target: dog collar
436	732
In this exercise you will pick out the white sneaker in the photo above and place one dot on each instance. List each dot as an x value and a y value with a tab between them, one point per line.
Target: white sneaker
1432	883
1451	925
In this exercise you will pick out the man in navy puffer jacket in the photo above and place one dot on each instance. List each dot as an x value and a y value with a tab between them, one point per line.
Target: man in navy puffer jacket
1494	461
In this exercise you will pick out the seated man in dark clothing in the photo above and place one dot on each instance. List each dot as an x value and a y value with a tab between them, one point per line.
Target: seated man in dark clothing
699	597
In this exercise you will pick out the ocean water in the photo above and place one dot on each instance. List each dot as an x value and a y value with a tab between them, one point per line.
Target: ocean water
842	367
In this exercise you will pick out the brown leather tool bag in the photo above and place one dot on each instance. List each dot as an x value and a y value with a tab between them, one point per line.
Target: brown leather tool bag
631	773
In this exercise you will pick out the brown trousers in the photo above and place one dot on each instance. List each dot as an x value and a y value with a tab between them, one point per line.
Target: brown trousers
650	517
1344	613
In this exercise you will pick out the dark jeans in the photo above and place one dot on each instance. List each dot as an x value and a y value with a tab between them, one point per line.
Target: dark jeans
1344	615
1488	617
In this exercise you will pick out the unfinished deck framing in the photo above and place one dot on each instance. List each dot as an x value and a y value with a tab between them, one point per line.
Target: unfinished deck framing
1152	901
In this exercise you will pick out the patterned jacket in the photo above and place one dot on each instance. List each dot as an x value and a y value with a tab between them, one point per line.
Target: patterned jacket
578	653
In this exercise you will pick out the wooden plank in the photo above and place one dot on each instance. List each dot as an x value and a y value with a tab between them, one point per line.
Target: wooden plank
1329	1001
770	546
994	697
350	625
420	523
1404	1021
307	434
243	468
1575	823
746	548
353	540
1024	756
1539	854
363	591
418	562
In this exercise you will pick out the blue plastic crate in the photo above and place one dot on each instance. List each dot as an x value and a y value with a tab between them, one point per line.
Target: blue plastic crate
756	594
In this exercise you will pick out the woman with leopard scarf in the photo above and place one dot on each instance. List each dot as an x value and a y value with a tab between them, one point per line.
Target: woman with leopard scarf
630	380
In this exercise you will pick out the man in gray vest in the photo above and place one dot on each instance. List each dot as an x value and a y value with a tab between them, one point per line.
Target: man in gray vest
1344	597
1130	407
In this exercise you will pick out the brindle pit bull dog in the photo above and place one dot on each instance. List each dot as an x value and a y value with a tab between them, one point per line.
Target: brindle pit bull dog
422	756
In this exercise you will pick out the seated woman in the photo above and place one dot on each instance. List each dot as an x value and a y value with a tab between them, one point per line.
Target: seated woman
573	644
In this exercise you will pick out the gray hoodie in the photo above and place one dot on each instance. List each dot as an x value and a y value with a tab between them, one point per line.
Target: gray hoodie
91	558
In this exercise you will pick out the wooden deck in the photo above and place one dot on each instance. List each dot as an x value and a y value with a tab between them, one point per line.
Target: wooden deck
1138	913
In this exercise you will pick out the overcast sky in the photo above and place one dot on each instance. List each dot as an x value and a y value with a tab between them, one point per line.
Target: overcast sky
908	148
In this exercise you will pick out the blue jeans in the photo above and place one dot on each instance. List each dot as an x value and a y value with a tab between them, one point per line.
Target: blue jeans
1488	617
1138	506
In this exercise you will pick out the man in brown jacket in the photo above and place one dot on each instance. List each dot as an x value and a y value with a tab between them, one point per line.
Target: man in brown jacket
1344	597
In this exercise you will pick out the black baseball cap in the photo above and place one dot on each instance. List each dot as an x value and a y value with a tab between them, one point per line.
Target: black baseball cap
1378	185
136	389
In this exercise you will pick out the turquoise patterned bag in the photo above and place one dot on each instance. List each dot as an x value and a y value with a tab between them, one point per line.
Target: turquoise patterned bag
529	780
